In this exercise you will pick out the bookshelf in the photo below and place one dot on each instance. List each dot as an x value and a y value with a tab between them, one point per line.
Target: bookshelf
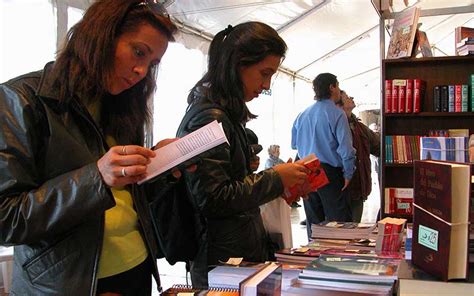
434	71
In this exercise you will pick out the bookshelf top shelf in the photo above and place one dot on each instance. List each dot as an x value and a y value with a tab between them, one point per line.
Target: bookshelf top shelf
431	114
448	59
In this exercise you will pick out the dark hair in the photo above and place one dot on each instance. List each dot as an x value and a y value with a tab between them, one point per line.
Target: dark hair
321	85
243	45
84	65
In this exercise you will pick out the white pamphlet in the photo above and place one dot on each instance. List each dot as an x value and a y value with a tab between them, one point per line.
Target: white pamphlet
195	143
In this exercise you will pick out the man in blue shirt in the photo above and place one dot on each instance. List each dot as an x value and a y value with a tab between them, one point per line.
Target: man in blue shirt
323	129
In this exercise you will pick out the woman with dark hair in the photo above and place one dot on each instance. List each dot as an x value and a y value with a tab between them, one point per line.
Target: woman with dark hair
227	195
71	149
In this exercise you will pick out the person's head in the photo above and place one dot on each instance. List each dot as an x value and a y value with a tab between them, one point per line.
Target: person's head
374	127
113	53
274	150
242	61
326	86
346	103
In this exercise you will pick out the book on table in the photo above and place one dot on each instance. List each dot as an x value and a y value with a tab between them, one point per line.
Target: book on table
342	230
441	218
404	29
359	273
230	277
181	290
265	282
414	281
185	150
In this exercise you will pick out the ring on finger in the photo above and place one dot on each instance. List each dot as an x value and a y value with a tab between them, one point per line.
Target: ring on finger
124	150
124	173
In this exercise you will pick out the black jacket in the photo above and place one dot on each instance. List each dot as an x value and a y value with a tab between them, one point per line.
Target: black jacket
226	194
52	197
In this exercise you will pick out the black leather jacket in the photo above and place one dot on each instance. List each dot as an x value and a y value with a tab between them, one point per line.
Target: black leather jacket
227	195
52	198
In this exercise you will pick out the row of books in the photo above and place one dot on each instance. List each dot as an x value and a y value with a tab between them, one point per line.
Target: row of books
454	132
404	95
452	98
403	149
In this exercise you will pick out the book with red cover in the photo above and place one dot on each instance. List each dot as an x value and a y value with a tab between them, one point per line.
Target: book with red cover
395	98
457	98
418	93
399	201
388	96
409	96
316	179
441	216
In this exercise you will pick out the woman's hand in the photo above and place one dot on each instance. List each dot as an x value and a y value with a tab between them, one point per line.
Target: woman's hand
292	173
123	165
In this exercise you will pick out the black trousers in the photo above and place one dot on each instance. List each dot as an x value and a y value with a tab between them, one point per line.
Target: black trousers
329	202
133	282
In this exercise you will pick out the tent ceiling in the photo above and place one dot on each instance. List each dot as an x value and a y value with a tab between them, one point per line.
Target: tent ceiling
341	36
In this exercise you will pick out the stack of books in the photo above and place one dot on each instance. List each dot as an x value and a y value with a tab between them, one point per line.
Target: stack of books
342	230
464	40
363	274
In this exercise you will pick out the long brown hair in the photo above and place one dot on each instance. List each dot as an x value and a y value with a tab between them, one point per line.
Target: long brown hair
83	66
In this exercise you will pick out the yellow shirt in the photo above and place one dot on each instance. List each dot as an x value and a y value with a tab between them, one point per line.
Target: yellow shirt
123	247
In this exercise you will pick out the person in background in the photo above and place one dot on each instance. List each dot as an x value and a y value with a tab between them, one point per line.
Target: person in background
366	142
273	156
323	129
255	149
242	61
71	149
273	160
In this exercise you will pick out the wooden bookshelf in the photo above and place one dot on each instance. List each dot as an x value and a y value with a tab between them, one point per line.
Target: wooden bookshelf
434	71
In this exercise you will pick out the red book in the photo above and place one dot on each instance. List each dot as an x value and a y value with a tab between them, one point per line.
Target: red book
388	96
409	96
398	201
401	98
394	98
316	179
418	92
440	223
457	98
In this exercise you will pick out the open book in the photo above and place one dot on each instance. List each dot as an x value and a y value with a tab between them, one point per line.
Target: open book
187	147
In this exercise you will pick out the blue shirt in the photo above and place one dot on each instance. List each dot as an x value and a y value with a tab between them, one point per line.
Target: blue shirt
323	129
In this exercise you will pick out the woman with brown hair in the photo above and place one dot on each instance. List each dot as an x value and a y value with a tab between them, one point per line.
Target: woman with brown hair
71	149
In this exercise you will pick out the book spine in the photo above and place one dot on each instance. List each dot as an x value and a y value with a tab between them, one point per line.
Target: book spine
409	96
388	96
417	94
464	98
437	98
444	98
450	98
457	98
394	98
472	92
401	98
